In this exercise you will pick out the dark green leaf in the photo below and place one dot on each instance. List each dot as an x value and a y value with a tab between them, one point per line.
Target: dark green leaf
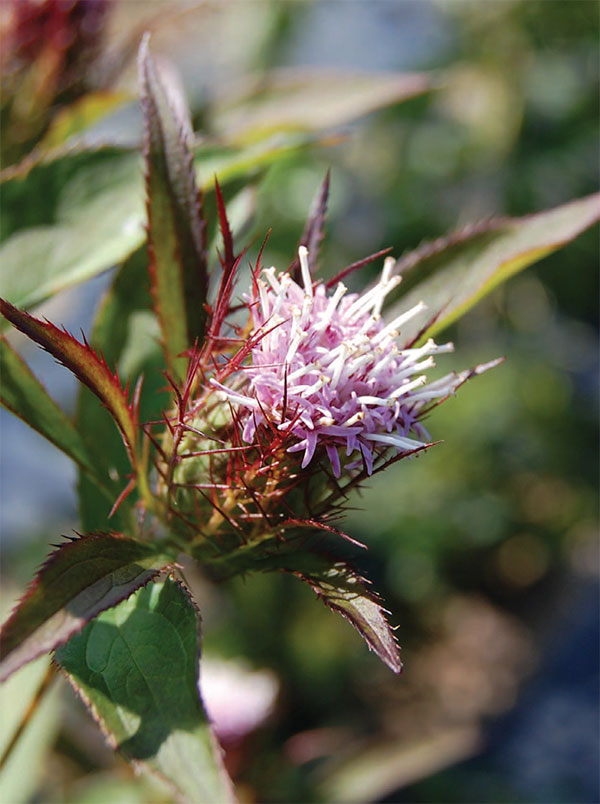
79	579
23	394
176	228
136	666
452	274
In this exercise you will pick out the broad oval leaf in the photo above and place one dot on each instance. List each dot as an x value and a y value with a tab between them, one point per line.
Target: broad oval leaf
78	581
86	365
308	100
176	227
136	667
453	273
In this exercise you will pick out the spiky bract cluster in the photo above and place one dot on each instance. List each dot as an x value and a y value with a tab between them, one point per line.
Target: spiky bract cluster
318	373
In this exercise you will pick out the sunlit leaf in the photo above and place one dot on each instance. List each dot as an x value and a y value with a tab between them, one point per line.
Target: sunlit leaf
69	220
80	579
136	667
176	226
95	219
453	273
23	394
87	366
312	100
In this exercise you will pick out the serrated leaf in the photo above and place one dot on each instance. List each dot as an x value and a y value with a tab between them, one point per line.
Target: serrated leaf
176	228
80	579
312	100
126	333
136	667
342	590
23	394
452	274
334	581
85	364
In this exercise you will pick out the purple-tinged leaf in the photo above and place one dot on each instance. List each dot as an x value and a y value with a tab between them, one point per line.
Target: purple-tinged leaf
79	579
314	230
87	366
342	590
136	668
176	227
453	273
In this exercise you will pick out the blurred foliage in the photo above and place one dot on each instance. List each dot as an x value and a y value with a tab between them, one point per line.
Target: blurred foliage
477	544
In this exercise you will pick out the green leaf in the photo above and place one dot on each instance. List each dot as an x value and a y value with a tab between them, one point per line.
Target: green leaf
453	273
81	114
312	100
136	666
94	220
85	365
80	214
23	394
176	227
78	580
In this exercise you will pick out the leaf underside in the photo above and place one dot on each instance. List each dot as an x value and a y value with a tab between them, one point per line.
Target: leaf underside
136	667
78	580
342	590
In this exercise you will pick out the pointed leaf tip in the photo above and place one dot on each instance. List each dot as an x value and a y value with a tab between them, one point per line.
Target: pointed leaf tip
342	590
85	364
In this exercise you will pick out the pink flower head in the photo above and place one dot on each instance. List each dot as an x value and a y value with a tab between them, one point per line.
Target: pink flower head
327	370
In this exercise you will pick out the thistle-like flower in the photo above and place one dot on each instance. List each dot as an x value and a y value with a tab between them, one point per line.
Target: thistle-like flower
315	371
328	372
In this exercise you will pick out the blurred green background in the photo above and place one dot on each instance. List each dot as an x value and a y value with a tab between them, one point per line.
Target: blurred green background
485	548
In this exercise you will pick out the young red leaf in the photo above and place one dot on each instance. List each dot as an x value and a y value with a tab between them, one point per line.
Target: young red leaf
78	581
87	366
176	228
